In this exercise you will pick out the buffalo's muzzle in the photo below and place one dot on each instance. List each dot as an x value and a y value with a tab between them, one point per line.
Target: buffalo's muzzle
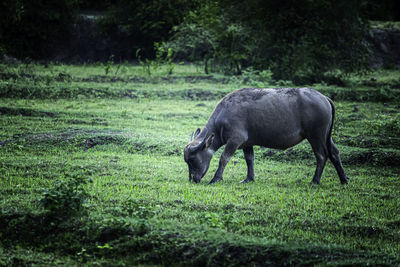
196	179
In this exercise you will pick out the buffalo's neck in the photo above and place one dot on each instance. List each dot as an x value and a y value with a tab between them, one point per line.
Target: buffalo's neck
209	129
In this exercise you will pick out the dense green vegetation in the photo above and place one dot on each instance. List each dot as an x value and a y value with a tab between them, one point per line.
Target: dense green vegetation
92	172
297	40
304	41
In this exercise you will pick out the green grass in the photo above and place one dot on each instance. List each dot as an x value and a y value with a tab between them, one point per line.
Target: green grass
131	202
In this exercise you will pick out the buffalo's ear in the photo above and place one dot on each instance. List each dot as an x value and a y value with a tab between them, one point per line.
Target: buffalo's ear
209	141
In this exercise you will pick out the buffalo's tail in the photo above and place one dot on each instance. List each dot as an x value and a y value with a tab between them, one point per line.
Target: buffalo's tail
329	137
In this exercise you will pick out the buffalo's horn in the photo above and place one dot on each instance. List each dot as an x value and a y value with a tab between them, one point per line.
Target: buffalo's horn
198	146
197	132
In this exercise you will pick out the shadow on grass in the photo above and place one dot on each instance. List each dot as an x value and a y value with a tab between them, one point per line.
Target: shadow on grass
136	240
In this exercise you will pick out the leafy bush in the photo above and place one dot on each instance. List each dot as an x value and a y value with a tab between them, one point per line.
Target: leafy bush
66	197
209	35
163	56
192	42
297	40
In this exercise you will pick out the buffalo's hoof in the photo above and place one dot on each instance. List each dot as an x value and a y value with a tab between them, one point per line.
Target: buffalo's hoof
215	180
315	182
345	181
247	180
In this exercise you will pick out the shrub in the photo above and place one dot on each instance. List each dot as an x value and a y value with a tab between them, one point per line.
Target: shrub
296	40
66	197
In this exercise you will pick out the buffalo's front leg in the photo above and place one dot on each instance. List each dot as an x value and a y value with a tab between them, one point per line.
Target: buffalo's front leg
249	157
228	152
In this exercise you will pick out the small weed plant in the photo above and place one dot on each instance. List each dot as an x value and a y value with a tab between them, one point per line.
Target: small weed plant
67	197
163	57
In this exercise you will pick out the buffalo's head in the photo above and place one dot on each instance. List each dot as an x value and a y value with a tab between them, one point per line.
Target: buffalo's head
198	154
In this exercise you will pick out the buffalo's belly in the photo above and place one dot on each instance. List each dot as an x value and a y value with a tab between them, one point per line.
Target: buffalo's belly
276	140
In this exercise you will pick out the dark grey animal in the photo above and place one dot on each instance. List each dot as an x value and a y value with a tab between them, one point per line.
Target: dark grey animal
274	118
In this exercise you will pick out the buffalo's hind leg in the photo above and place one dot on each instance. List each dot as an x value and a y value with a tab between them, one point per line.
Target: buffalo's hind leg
249	157
334	156
321	154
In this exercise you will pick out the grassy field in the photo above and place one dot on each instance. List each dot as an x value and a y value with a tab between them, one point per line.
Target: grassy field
92	173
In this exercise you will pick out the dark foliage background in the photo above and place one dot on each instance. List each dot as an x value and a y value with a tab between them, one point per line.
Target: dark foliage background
33	28
141	23
301	40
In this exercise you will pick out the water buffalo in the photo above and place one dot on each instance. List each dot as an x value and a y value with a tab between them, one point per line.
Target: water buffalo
274	118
